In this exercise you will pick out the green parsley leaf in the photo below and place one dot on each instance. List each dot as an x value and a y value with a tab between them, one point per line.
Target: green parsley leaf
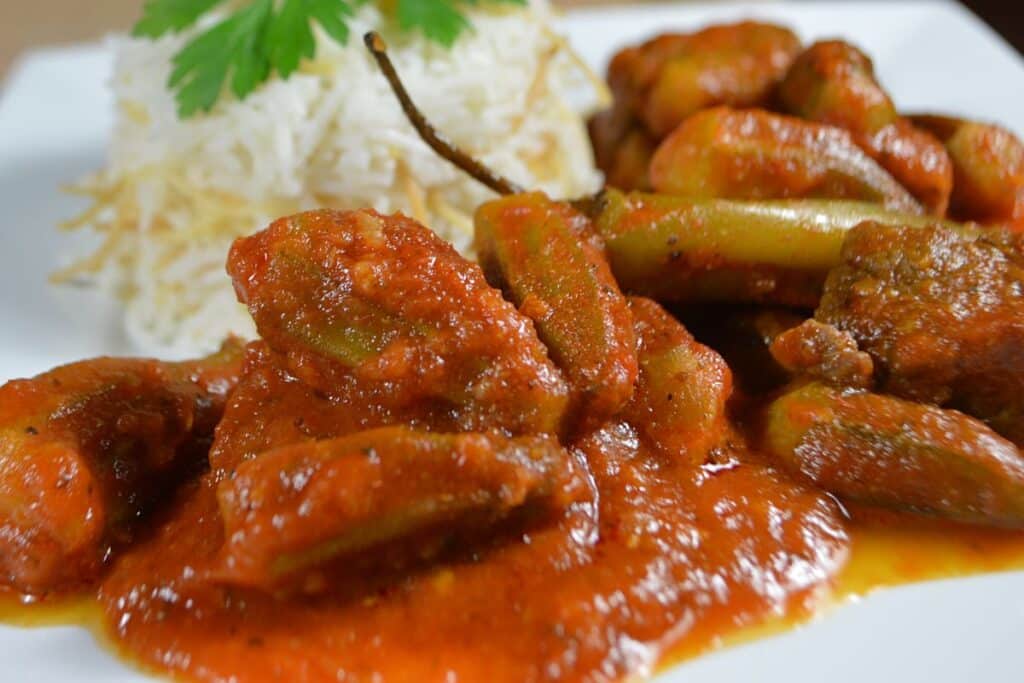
289	37
264	36
331	14
236	45
440	20
169	16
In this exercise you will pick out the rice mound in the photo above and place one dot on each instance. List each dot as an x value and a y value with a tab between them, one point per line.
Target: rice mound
175	193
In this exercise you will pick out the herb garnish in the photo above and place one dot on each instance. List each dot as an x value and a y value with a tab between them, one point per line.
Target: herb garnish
260	37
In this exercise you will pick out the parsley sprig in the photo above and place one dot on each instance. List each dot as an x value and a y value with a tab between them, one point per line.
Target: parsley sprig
260	37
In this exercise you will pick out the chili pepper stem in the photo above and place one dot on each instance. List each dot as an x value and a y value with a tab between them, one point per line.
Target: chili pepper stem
589	205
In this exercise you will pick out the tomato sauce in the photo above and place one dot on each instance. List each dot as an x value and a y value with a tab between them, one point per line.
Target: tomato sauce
681	561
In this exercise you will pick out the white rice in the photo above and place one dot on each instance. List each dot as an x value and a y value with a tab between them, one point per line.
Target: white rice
175	193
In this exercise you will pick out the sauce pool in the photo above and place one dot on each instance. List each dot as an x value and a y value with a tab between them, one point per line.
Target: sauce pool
886	549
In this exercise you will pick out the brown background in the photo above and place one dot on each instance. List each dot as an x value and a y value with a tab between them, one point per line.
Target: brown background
27	23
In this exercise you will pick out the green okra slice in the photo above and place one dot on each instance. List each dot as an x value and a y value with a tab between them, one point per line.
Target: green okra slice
833	82
87	449
681	394
880	450
755	154
988	169
299	507
540	253
695	249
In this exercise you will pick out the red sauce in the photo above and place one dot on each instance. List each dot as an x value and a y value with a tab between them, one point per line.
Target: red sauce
686	564
682	557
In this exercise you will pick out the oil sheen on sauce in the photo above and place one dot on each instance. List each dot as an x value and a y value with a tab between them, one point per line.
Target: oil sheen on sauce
663	563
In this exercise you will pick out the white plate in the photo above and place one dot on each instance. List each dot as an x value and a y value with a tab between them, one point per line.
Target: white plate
55	116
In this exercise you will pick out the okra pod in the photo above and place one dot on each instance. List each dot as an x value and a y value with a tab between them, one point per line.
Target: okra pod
754	154
541	254
370	495
88	448
881	450
672	76
695	249
679	404
833	82
988	169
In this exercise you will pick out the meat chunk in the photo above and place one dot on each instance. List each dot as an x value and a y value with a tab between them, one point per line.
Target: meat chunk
820	351
357	298
942	315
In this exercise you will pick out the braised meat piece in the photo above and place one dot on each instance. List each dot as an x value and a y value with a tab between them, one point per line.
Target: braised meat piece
941	313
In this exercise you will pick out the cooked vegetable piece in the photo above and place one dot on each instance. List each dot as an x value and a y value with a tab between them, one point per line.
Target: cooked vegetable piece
942	315
85	451
988	169
299	507
885	451
357	298
833	82
541	254
672	76
820	351
679	405
754	154
694	249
